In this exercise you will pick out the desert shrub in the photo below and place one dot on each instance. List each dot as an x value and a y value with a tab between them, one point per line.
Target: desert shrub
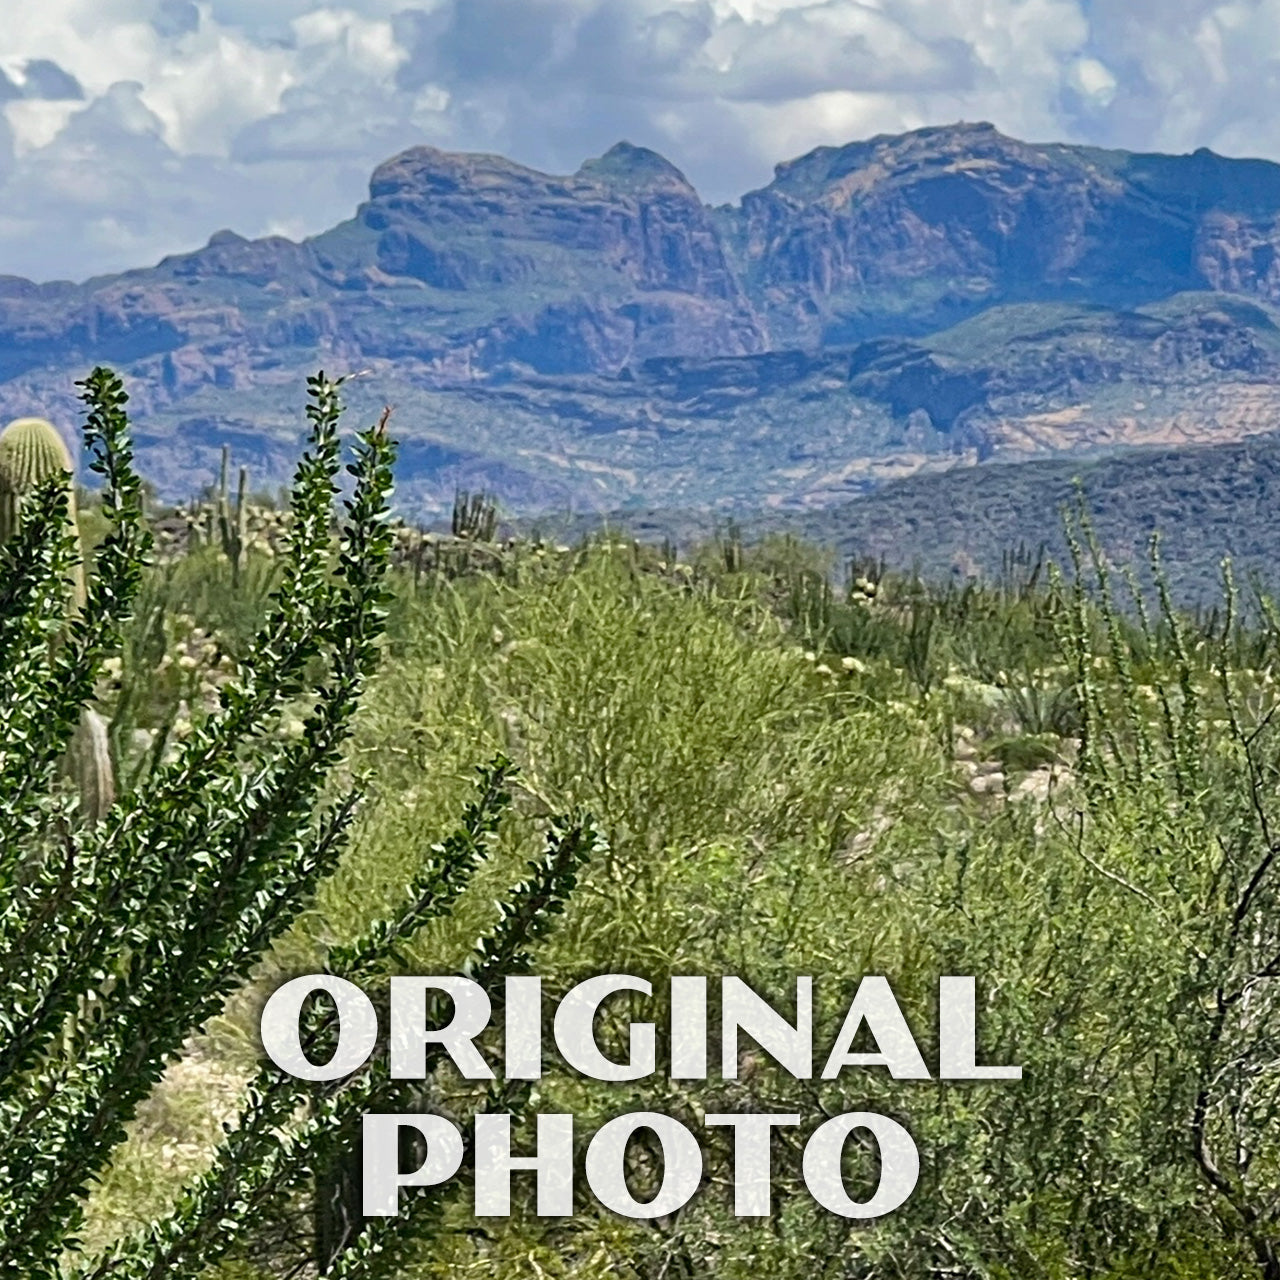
769	817
772	810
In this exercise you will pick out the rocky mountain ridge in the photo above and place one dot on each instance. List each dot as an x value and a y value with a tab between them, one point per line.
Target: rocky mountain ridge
907	302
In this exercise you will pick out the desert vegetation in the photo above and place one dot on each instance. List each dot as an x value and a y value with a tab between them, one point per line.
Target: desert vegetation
721	759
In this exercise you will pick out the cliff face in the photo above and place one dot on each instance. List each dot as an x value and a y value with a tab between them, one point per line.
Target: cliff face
587	273
916	231
475	266
473	221
471	274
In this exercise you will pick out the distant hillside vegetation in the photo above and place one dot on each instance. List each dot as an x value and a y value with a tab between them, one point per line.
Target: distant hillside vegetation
1207	503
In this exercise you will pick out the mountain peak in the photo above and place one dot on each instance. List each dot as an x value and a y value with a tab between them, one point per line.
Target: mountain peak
428	170
625	164
811	174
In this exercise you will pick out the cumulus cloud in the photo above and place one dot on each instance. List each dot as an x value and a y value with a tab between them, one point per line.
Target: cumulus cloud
133	128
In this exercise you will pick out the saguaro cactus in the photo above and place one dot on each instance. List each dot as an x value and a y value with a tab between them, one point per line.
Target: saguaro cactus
731	548
32	452
475	516
233	524
88	764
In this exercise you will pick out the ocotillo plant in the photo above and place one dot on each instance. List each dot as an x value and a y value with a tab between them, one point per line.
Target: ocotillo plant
32	453
343	1239
195	872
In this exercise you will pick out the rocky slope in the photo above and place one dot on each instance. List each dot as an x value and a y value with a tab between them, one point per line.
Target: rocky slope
604	338
1208	503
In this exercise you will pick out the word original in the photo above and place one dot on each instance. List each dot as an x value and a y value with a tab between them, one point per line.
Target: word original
742	1012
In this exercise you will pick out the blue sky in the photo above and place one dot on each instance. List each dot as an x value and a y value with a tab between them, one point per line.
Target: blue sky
134	128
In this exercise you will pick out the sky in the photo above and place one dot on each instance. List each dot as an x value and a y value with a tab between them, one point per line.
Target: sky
130	129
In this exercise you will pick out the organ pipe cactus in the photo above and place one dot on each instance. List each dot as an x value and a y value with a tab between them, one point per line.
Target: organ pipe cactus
32	453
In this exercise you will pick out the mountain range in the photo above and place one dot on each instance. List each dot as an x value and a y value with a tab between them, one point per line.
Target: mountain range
606	341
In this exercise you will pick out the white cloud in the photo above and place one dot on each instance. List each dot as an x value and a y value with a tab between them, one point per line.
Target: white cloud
36	124
365	46
1092	80
217	85
269	114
